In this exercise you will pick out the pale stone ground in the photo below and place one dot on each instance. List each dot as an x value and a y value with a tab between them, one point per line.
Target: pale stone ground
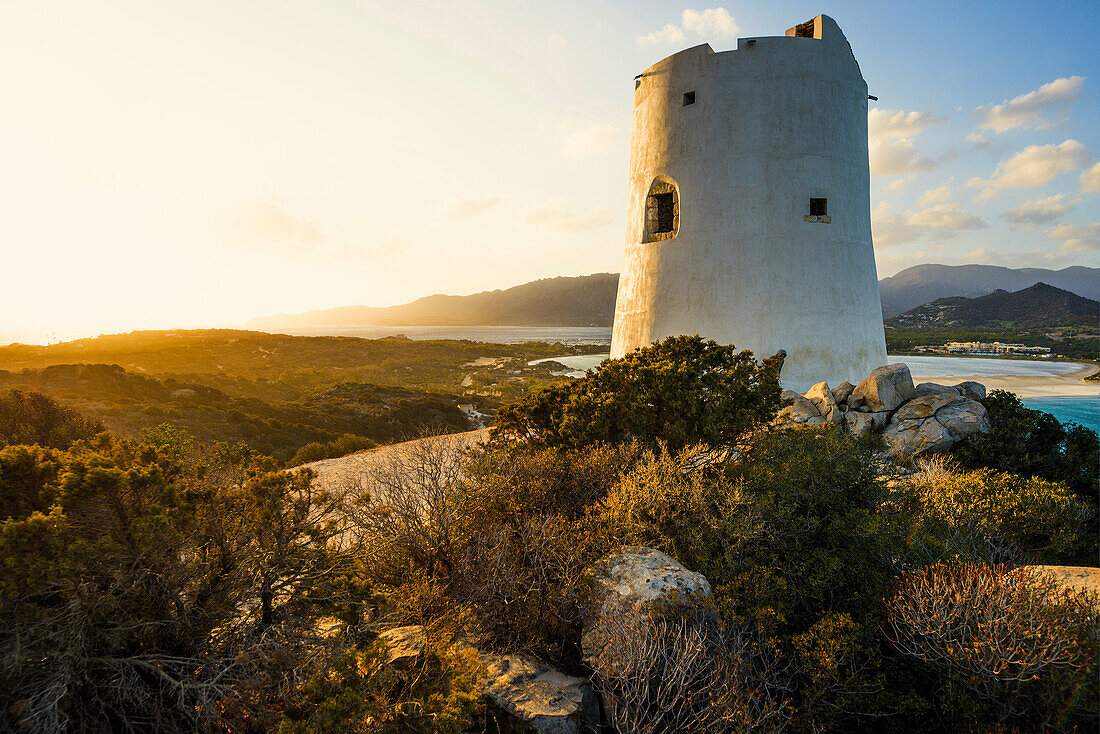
333	472
1068	385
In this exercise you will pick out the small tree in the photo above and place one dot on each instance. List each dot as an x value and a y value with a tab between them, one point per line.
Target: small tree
682	391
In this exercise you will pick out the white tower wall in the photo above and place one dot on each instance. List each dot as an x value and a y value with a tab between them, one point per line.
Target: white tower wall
775	123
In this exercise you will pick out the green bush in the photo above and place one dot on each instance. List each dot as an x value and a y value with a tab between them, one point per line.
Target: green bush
346	443
992	516
682	391
32	418
1032	443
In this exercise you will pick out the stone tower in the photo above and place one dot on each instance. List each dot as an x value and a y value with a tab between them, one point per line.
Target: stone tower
749	219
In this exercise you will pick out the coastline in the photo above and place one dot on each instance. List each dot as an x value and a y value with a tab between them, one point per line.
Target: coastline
1028	386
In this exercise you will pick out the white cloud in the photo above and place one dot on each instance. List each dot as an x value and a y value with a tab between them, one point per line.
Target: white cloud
582	140
938	195
889	230
561	219
1030	110
1039	211
267	224
670	35
713	23
897	185
1034	166
893	157
889	124
465	208
978	141
1090	180
946	219
1076	239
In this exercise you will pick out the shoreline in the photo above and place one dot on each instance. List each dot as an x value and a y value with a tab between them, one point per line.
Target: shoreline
1070	385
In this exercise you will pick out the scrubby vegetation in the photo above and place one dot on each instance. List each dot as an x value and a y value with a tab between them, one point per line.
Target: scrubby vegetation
158	583
279	394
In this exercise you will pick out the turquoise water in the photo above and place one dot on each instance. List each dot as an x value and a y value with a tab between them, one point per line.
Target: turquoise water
1084	411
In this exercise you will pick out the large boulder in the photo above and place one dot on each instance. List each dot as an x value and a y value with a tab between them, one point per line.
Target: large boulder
933	423
800	411
934	388
883	390
859	425
639	581
842	392
823	400
523	696
971	389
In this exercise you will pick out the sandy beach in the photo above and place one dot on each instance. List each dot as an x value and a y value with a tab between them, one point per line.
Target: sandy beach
1070	384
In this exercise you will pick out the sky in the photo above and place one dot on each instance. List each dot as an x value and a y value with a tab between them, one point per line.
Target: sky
171	164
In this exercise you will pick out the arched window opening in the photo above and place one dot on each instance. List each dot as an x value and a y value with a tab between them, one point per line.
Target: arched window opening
662	210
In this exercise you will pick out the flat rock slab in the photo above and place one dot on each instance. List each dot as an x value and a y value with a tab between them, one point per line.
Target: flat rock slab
404	645
523	696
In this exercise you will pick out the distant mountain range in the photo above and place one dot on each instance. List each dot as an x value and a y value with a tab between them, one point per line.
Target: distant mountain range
922	284
1037	307
589	300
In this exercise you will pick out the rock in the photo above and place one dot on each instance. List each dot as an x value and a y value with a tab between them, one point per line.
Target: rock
1075	578
800	412
879	420
884	389
859	425
933	388
842	391
523	696
933	423
405	644
639	581
971	389
823	400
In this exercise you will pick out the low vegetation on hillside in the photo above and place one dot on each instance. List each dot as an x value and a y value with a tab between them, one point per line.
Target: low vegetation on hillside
280	394
160	584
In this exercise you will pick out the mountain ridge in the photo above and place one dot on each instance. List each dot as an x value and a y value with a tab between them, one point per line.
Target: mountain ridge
1038	306
589	300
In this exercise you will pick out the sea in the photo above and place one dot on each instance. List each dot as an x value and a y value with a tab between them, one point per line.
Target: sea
1084	410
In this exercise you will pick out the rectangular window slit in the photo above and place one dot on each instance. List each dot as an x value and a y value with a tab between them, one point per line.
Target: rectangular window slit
659	213
819	207
689	98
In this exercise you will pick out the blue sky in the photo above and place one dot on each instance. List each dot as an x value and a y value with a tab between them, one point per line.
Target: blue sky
192	163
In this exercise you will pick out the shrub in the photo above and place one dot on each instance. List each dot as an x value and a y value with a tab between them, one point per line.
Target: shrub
1015	641
33	418
359	690
987	515
683	390
1032	443
792	540
657	675
347	443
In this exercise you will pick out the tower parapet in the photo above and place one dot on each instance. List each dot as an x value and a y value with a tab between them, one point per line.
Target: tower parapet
749	215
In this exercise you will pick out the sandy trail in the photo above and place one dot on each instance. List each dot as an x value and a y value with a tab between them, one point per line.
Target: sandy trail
331	473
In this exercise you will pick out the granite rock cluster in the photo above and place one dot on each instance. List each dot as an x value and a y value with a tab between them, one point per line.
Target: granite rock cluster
913	420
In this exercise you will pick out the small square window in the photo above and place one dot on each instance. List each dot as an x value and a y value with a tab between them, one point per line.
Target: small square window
689	98
819	207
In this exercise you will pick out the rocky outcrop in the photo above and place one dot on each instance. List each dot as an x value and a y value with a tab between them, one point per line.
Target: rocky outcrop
884	389
934	422
523	696
519	695
404	645
639	581
822	398
800	411
913	419
842	391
